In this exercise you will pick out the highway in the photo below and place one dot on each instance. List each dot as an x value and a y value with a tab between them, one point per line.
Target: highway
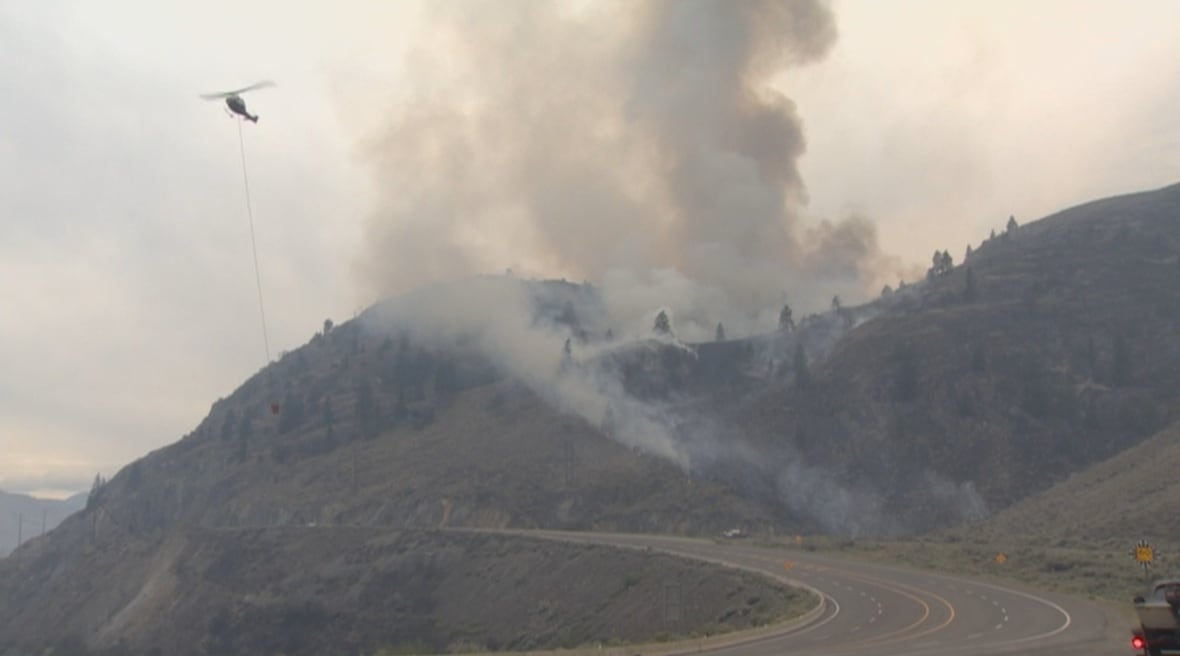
890	611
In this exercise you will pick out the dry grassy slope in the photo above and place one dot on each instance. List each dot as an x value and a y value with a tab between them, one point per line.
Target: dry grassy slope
321	590
1075	537
1111	505
495	456
1065	355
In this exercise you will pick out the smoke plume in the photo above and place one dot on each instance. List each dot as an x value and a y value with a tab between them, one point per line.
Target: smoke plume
641	146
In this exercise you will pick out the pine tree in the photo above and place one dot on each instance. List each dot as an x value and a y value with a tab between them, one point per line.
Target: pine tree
662	325
720	335
95	491
786	319
567	356
940	264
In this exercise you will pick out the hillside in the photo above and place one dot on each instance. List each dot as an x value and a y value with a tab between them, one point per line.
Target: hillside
504	403
23	517
1077	537
317	590
1134	495
1060	353
492	455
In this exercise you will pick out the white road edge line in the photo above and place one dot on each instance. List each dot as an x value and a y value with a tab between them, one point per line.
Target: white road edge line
1057	607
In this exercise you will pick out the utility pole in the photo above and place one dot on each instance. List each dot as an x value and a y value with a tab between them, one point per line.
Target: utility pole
43	512
20	526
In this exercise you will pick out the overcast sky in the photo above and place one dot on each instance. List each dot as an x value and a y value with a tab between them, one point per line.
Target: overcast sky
126	281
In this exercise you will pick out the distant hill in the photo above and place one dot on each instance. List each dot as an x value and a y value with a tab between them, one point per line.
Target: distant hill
23	517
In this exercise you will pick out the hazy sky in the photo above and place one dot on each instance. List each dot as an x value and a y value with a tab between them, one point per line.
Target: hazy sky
126	281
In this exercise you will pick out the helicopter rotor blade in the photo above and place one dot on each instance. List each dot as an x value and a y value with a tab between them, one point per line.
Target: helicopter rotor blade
225	94
257	85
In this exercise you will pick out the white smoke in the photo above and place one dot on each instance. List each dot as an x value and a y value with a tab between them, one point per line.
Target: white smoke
640	146
497	315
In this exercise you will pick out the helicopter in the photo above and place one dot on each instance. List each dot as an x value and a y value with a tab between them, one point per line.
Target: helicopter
233	99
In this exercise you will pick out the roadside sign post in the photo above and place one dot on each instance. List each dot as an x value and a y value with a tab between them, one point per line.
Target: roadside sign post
1144	555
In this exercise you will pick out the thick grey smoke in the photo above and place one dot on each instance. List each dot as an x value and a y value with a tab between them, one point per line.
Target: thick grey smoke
637	145
498	316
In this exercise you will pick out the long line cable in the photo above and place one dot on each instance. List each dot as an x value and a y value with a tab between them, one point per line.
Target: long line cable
253	242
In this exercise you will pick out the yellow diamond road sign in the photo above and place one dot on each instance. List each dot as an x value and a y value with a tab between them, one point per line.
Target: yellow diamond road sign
1001	558
1143	552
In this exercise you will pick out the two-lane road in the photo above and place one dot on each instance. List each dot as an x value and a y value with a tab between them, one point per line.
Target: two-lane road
890	611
